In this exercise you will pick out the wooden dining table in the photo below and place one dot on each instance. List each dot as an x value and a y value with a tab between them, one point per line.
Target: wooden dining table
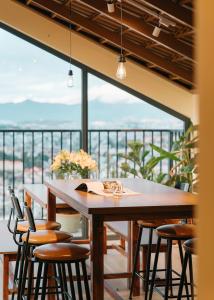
153	201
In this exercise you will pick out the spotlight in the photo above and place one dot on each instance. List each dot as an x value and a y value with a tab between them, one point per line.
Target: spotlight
111	6
156	31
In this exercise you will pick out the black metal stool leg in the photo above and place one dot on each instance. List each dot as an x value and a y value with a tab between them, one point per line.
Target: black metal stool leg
21	270
44	283
56	280
38	280
65	286
185	278
85	278
154	268
61	281
30	279
79	285
18	258
183	274
168	270
191	277
136	257
24	274
148	263
71	282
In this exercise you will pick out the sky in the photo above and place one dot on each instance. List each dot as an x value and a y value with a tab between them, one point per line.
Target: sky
30	73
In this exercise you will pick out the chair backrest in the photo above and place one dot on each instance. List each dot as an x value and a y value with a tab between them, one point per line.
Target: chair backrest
29	214
17	207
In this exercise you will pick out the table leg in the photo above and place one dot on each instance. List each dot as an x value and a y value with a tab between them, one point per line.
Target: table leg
5	277
51	215
51	206
97	259
132	241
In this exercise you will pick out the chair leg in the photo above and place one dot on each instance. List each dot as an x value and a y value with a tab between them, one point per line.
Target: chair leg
71	282
185	278
79	285
148	263
85	278
183	274
168	270
36	296
44	283
154	268
136	257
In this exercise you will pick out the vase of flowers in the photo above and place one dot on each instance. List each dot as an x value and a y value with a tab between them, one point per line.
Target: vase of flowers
73	164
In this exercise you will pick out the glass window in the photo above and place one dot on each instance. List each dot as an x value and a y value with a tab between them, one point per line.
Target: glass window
117	117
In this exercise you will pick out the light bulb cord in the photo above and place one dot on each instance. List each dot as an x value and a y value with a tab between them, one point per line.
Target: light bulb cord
70	37
121	28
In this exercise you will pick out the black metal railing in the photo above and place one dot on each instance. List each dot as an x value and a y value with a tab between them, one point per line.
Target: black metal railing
26	155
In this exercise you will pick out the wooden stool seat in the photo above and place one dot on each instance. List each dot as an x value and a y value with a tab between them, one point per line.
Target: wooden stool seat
46	237
189	246
40	225
61	252
176	231
156	223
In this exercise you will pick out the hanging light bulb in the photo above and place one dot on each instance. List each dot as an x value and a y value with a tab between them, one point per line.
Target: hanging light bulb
70	79
121	68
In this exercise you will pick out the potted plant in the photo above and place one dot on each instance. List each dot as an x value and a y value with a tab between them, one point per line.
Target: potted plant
67	164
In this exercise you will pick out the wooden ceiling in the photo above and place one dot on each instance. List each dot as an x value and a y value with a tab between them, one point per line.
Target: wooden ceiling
170	55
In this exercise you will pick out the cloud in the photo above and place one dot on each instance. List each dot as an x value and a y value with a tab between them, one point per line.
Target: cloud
107	93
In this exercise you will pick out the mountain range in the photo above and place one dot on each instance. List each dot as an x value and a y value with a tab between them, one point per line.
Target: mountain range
101	113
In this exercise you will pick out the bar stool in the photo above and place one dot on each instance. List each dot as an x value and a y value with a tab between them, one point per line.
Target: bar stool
190	249
22	226
150	225
62	256
30	240
173	232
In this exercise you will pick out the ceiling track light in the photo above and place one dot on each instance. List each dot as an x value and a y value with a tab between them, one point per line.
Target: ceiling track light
111	5
164	22
157	30
121	68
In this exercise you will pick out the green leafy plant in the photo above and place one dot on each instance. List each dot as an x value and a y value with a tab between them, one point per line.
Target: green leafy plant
140	163
184	154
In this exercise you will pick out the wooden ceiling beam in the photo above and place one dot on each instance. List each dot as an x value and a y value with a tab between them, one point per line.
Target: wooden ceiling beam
141	27
173	10
114	38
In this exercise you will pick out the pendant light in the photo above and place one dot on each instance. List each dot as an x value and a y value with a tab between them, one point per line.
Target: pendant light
121	68
70	79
